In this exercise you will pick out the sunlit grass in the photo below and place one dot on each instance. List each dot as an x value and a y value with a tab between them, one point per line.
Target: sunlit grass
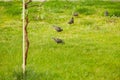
91	49
10	39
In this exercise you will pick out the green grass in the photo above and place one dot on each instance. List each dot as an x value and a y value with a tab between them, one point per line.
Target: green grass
91	49
10	39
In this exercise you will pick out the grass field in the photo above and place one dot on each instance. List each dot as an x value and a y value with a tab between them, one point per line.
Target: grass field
91	50
92	44
10	39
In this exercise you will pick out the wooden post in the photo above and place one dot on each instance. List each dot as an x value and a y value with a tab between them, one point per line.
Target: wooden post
23	65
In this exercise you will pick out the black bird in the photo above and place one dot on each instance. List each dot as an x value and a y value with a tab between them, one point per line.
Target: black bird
71	21
106	13
75	14
58	29
58	41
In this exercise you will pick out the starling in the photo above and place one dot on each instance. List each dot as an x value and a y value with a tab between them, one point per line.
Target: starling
58	29
57	40
106	13
75	14
71	21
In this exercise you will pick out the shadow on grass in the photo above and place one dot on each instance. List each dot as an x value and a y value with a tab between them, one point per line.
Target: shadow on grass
12	8
86	11
114	13
33	75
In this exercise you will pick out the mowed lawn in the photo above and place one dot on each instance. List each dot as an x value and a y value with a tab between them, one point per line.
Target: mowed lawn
91	50
10	39
92	44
